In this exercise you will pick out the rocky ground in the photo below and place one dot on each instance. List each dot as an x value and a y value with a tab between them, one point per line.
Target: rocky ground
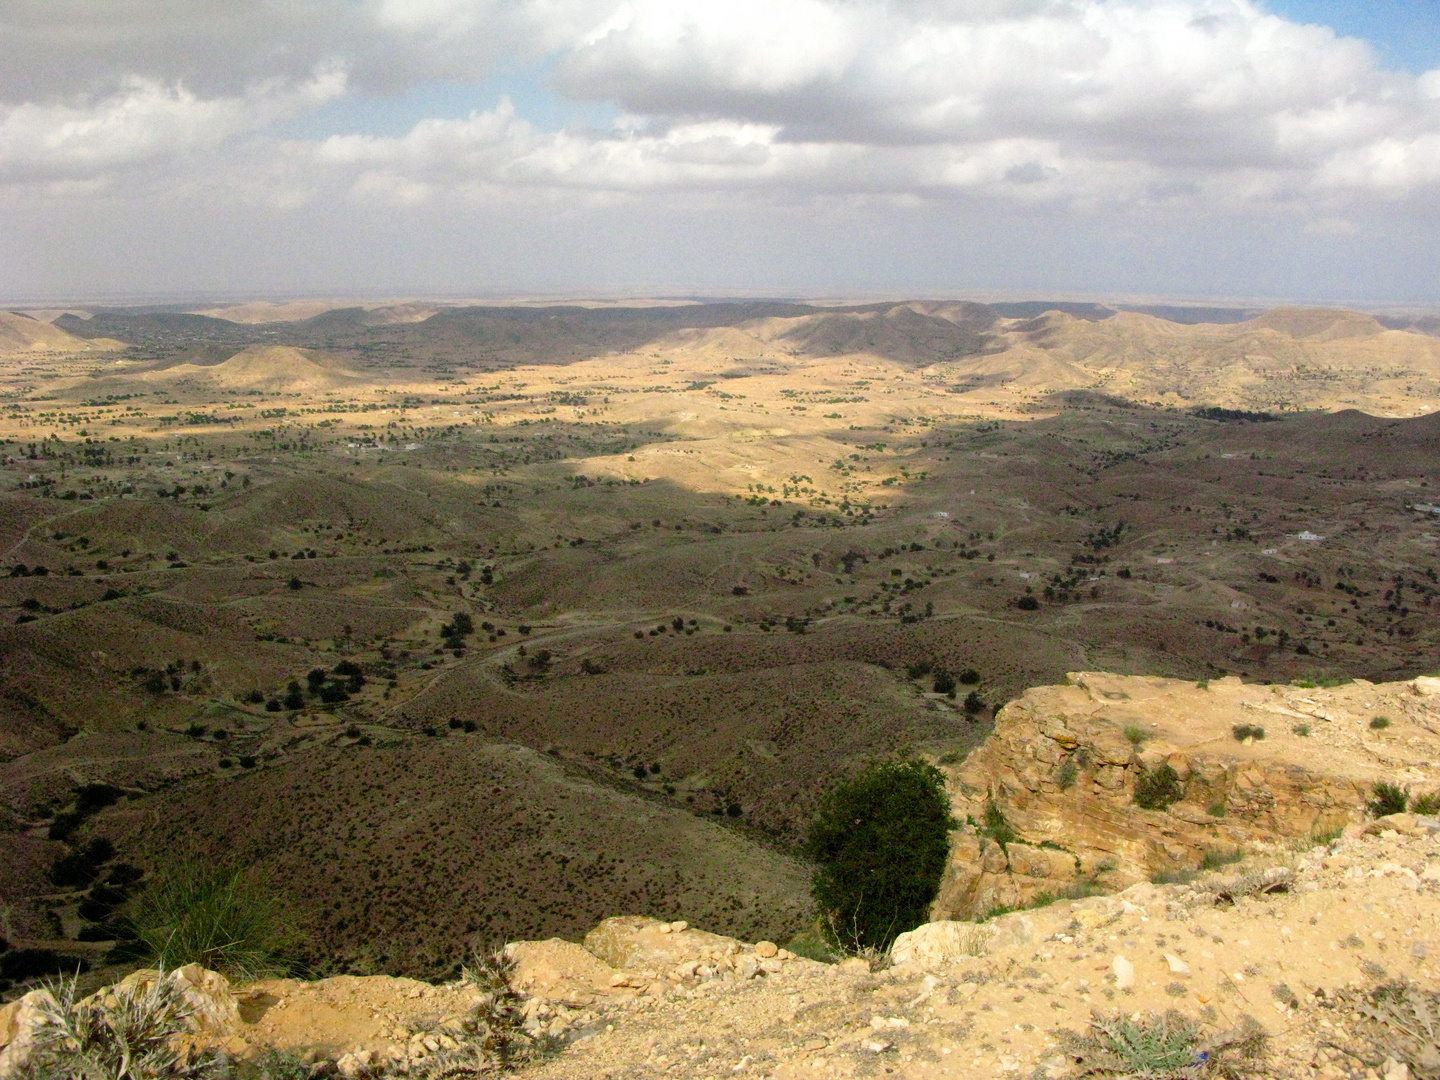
1292	942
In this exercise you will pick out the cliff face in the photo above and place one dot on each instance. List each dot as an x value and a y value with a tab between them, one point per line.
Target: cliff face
1064	762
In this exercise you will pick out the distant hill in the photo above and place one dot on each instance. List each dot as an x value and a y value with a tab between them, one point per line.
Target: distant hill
264	367
22	334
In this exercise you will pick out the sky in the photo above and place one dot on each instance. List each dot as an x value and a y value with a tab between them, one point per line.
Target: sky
1184	149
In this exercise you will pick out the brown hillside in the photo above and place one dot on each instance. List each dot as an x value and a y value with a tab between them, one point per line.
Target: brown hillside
21	334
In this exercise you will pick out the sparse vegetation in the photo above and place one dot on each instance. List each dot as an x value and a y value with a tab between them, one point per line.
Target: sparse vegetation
1065	775
1135	735
1427	805
1379	723
134	1035
1162	1047
215	916
880	842
1388	799
1157	788
1247	731
996	826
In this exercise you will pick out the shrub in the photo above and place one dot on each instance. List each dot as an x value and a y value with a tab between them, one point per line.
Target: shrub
212	916
1216	808
1213	858
880	843
1135	735
1380	723
1425	804
1027	603
813	946
969	677
973	703
1389	799
917	671
1066	775
1155	789
1247	731
997	826
1303	730
945	683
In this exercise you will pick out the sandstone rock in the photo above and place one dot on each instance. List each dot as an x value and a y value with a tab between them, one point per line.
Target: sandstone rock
1124	972
766	949
1427	686
18	1022
1281	788
942	942
1178	967
634	942
214	1010
560	971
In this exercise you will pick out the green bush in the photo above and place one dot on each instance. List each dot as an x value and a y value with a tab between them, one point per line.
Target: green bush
1428	805
996	826
1389	799
213	916
1247	731
1380	723
880	842
1155	789
1066	775
1135	735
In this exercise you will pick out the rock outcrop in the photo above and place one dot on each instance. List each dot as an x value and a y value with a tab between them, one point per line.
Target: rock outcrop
1252	766
1286	946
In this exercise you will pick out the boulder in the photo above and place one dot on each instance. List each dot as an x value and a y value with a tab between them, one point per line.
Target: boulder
637	943
18	1022
941	942
213	1009
560	970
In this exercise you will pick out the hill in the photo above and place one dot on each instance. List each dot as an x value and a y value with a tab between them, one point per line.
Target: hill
20	334
264	367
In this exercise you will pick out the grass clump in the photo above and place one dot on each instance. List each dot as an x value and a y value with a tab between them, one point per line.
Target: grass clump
880	842
1155	789
997	826
213	916
1428	805
813	946
1247	731
1379	723
1162	1047
1214	858
1303	730
1389	799
1066	775
1216	809
130	1033
1135	735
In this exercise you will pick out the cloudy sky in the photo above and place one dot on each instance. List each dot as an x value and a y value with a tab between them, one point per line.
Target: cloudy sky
1182	148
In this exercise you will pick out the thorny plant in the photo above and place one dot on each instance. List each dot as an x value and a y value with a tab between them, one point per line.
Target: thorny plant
128	1033
493	1037
1404	1024
1157	1047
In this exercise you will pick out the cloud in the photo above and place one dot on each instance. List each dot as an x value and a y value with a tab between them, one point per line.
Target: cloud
1106	114
143	123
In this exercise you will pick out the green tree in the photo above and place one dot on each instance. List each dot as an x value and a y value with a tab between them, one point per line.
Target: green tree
880	842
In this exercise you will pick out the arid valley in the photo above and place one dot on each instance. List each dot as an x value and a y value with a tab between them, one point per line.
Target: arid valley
461	624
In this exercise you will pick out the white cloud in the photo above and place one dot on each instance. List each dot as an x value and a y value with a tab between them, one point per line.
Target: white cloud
1091	111
143	123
